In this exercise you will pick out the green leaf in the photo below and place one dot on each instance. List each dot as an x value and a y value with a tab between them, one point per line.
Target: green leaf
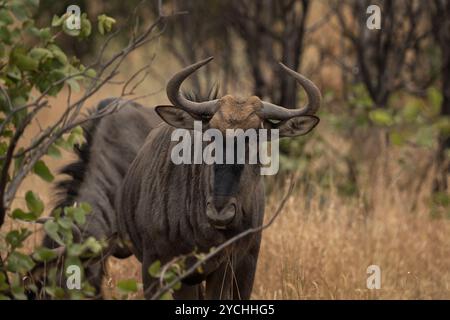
5	17
13	72
443	125
73	84
41	54
45	34
105	23
155	268
167	296
44	254
79	215
411	111
65	223
396	138
435	97
41	169
425	137
52	82
127	286
15	238
57	21
3	147
75	250
91	73
3	284
34	203
76	136
381	117
25	216
93	245
19	10
86	207
54	152
52	228
86	27
19	262
25	63
5	35
58	54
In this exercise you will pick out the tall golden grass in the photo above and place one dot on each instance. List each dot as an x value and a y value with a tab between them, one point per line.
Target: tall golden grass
323	251
321	247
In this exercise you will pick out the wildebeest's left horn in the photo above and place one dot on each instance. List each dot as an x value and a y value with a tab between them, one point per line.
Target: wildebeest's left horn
272	111
202	109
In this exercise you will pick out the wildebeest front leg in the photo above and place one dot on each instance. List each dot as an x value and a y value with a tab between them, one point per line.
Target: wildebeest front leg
244	272
234	279
244	277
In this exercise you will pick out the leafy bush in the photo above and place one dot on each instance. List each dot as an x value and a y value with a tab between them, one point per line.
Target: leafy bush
32	67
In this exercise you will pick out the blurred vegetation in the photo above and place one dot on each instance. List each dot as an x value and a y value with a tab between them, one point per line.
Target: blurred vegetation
393	95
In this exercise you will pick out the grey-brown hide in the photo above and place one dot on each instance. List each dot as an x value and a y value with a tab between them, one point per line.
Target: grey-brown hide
162	212
95	177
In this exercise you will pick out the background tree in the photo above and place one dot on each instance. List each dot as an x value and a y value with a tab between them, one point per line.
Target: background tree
440	18
385	60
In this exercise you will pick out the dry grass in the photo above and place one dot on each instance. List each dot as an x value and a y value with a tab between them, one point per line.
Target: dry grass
322	251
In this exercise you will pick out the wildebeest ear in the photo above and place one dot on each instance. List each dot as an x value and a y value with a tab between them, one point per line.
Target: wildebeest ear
175	117
297	126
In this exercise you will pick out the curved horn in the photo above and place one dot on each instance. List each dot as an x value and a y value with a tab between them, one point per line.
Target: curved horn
272	111
176	98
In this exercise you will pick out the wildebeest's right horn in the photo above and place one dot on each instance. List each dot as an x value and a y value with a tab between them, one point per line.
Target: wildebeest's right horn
202	109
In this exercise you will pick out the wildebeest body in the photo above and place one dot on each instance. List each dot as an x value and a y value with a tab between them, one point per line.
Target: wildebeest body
162	213
112	143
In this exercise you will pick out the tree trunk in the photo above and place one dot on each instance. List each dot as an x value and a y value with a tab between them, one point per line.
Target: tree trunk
440	181
441	31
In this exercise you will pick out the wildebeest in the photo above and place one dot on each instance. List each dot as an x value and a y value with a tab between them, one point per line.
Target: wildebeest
111	145
162	210
166	210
